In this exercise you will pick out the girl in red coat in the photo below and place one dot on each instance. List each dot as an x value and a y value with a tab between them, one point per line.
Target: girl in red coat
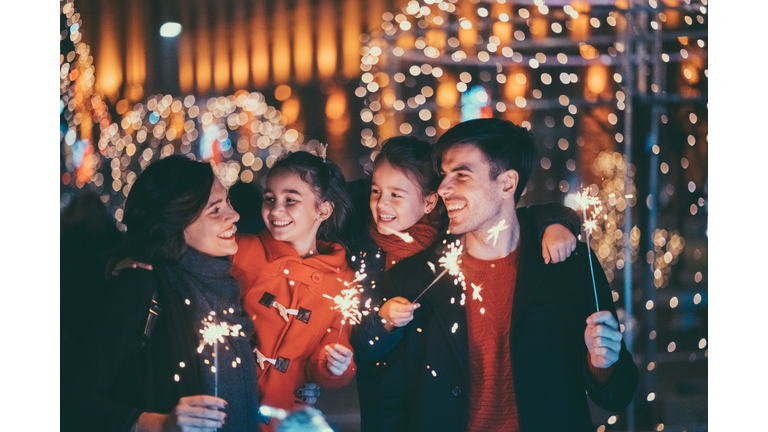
289	275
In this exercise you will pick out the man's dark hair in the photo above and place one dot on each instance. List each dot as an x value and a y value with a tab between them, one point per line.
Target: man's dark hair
166	198
505	146
328	184
411	156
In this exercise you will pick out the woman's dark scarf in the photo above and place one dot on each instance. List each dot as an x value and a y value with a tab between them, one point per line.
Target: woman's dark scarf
202	284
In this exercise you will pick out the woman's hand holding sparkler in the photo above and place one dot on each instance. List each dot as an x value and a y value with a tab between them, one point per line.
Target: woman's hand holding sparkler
397	312
192	414
338	358
557	243
603	339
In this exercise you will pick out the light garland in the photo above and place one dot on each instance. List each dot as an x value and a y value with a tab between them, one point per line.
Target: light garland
239	134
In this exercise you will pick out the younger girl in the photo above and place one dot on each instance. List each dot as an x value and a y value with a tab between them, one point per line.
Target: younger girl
287	274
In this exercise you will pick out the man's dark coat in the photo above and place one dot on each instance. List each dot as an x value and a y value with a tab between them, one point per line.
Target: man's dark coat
425	378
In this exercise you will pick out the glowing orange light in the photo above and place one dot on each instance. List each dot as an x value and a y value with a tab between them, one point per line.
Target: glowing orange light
447	94
336	106
302	41
597	79
326	39
282	92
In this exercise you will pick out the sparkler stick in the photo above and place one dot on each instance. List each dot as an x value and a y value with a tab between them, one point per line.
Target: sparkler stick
450	262
404	236
584	200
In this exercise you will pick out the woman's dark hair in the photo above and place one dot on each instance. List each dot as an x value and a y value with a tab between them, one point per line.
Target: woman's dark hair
327	182
413	157
166	198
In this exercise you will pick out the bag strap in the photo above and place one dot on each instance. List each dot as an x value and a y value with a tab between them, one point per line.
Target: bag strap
154	312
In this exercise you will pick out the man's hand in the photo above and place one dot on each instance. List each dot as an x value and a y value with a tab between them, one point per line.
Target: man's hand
308	393
557	244
397	312
603	339
339	358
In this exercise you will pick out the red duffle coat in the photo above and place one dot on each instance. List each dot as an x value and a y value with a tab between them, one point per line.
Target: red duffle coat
272	271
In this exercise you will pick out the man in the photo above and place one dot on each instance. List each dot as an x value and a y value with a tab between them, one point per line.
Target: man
517	344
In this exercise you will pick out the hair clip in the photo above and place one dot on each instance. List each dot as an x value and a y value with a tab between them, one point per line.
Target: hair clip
322	149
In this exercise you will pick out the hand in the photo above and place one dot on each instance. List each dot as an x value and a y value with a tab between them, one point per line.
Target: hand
129	263
339	358
603	339
557	244
308	393
397	312
192	414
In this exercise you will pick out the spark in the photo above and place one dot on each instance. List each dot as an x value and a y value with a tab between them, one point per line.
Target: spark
450	262
213	333
589	225
476	292
585	201
348	303
359	276
494	232
404	236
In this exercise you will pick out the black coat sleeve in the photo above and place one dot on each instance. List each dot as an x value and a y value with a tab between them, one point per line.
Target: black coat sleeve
108	340
391	409
618	392
371	329
388	389
544	215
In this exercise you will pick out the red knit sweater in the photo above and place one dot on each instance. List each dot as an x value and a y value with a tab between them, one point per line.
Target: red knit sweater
492	405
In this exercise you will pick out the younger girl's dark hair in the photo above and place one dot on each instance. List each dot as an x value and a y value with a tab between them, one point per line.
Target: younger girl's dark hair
166	198
327	182
413	157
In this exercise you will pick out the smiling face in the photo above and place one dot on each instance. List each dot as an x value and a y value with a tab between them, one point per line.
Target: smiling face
291	211
213	232
473	200
396	200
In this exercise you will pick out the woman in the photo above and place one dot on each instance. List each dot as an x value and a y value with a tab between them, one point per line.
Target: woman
141	361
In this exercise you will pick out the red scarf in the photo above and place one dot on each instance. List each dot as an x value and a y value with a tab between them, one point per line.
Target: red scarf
424	233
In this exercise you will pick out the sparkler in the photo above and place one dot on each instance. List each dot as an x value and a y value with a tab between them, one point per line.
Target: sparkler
450	262
214	333
348	303
404	236
494	232
585	201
